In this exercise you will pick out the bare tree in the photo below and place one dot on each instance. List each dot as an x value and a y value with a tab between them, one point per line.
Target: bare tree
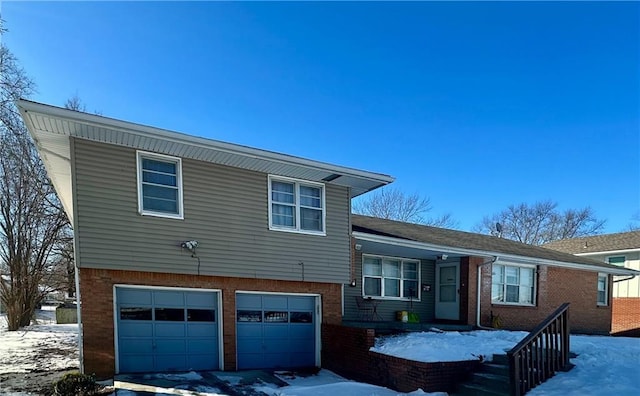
75	103
634	224
32	221
540	223
392	203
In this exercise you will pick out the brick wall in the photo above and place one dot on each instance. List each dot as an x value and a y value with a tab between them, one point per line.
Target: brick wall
96	288
555	286
626	316
345	350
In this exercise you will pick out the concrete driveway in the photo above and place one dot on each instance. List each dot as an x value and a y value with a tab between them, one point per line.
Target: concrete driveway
238	383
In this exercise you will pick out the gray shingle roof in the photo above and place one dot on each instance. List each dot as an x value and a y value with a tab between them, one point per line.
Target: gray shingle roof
466	240
598	243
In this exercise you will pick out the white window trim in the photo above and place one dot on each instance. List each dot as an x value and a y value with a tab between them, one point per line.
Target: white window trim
624	264
402	260
519	304
297	183
161	157
606	290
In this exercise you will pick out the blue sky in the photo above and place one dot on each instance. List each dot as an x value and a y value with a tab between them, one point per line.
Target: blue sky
476	105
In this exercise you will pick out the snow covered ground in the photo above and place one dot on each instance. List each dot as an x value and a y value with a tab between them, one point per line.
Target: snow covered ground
604	365
44	346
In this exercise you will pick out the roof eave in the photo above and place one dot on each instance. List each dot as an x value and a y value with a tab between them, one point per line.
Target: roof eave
488	254
358	181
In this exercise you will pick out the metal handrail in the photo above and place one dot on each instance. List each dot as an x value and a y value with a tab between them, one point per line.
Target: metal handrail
543	352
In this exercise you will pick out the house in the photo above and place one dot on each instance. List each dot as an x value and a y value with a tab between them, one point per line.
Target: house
450	276
193	253
620	249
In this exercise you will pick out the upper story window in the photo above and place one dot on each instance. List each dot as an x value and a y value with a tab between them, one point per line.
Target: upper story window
296	205
617	260
603	289
390	277
512	284
159	185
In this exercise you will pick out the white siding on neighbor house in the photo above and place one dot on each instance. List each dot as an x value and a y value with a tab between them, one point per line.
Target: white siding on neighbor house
627	288
225	210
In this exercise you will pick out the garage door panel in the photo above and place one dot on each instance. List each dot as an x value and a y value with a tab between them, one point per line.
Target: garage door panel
249	330
203	346
201	362
136	363
277	360
302	359
275	302
135	296
171	362
276	331
168	298
249	345
301	345
200	300
170	330
202	330
249	301
137	345
158	330
133	328
178	345
306	331
301	303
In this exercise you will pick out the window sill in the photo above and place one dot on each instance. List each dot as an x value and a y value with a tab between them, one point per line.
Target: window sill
294	231
513	305
164	215
401	299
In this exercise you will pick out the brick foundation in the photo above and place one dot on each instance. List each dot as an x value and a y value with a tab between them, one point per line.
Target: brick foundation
626	316
346	351
96	287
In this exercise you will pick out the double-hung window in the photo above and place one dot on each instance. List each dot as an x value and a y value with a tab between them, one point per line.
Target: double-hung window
603	289
390	277
296	205
159	185
512	284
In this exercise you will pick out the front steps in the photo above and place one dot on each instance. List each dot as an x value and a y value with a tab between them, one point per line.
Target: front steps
491	380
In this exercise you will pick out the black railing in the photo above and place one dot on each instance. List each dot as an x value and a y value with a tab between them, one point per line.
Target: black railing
540	354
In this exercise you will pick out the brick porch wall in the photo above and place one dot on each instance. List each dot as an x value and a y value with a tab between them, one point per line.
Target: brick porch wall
626	316
555	286
346	351
96	288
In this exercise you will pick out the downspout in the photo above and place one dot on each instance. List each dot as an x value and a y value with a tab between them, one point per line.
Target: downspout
76	251
495	259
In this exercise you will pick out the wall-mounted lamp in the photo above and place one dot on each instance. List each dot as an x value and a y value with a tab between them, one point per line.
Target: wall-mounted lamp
442	257
190	246
358	246
352	283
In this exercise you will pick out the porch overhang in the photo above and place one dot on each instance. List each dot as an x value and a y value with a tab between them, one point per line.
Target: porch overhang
53	128
399	246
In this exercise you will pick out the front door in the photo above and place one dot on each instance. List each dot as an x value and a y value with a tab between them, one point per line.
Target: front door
448	291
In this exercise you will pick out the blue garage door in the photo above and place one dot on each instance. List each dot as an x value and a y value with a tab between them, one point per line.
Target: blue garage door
275	331
166	330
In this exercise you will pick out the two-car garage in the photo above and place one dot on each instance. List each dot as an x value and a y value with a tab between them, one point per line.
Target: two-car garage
174	329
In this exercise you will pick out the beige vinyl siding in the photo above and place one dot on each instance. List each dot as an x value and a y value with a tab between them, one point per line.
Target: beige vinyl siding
425	308
225	210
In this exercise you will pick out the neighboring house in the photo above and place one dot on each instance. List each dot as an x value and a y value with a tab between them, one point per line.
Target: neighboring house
623	250
433	272
193	253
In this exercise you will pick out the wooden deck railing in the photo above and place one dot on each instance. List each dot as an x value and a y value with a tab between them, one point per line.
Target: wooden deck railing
541	353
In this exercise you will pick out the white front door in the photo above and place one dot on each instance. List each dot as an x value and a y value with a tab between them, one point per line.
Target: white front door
448	291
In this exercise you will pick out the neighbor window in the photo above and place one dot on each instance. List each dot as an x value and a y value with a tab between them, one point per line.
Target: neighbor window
390	277
159	185
617	260
512	284
603	289
296	206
